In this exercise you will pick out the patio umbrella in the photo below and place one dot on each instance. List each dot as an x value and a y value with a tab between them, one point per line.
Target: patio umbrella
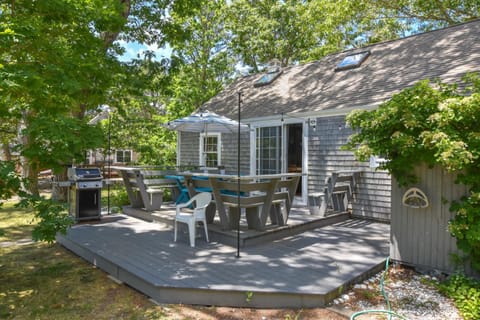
204	122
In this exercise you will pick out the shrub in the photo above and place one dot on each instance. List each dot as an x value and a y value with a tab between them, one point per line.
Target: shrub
466	294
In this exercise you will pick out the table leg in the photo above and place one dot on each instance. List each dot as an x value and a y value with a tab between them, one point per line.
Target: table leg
225	221
253	219
265	211
233	217
210	212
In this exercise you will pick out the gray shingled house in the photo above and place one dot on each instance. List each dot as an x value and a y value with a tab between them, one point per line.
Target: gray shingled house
297	114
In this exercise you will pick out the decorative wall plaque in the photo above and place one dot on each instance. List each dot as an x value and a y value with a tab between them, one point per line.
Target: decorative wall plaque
415	198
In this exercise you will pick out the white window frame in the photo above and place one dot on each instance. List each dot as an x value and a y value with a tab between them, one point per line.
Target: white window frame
123	151
278	148
201	148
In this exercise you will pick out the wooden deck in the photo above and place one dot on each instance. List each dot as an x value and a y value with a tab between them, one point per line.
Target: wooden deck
308	269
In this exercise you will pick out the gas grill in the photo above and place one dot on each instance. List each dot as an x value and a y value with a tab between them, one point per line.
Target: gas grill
85	193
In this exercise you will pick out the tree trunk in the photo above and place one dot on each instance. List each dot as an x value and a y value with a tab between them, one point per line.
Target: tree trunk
60	193
7	155
110	37
29	167
30	171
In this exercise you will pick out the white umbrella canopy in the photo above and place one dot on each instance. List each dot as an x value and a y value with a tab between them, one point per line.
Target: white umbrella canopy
204	122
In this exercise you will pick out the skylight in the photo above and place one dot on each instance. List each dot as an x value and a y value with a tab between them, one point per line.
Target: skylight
352	61
267	78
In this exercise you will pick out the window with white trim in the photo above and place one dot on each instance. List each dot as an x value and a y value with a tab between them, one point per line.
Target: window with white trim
269	150
210	150
123	156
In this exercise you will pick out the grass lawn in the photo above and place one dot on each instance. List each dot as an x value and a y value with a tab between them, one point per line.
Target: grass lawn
41	281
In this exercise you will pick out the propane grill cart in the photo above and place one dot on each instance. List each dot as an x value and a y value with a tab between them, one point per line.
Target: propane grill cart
85	193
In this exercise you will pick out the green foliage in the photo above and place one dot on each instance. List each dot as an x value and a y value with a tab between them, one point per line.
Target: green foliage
59	139
435	126
54	57
141	130
396	130
290	31
465	227
52	217
203	61
10	182
248	296
266	30
466	294
296	31
436	13
118	197
55	68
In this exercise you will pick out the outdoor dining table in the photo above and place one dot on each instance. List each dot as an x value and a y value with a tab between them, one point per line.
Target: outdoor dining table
257	195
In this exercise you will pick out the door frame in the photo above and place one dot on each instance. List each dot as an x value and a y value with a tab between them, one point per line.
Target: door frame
303	198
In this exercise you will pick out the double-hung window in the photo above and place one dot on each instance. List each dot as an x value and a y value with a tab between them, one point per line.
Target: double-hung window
123	156
210	150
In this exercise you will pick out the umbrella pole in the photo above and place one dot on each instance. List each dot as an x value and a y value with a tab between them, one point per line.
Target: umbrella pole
238	175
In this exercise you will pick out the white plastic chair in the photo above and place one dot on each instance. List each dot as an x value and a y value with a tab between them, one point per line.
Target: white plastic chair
192	216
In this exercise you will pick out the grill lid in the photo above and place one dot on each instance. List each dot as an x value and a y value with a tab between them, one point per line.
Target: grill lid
78	174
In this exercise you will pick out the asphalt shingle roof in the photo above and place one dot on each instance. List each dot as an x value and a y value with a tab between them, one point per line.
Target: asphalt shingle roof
392	66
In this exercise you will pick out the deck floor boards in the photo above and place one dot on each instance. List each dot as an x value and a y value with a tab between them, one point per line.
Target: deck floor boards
314	263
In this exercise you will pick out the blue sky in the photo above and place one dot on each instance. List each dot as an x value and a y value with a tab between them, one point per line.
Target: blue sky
133	49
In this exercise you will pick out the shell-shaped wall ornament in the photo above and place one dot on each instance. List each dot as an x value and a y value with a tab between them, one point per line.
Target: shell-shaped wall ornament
415	198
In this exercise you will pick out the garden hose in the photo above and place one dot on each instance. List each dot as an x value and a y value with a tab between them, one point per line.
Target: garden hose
389	312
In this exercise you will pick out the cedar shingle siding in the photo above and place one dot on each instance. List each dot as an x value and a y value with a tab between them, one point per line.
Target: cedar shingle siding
229	152
372	196
190	150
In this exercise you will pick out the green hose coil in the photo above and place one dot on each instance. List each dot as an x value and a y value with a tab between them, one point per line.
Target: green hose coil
389	311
